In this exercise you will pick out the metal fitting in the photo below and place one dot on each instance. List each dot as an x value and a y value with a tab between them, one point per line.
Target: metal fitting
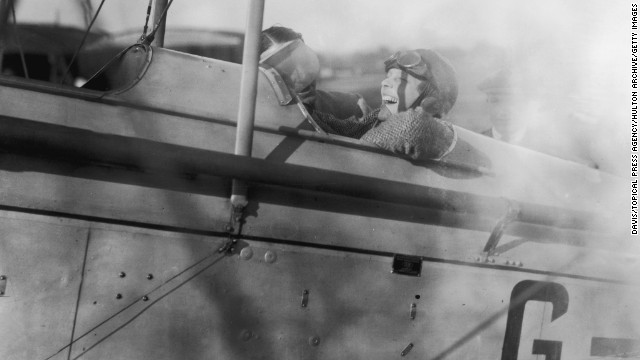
406	349
246	253
270	257
314	341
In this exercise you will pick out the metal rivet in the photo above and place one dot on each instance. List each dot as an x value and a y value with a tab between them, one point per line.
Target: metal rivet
1	292
122	274
118	296
246	335
3	277
314	341
270	257
149	276
145	298
246	253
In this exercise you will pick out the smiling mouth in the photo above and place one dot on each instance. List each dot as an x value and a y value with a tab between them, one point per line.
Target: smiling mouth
389	99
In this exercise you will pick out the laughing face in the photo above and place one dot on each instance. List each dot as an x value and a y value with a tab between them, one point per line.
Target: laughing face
399	91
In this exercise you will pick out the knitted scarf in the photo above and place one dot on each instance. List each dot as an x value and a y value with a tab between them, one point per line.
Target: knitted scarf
413	133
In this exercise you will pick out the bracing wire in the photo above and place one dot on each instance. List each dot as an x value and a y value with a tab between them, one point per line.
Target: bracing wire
84	38
149	39
198	268
146	22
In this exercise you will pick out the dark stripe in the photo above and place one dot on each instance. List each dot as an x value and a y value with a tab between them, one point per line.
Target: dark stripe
611	347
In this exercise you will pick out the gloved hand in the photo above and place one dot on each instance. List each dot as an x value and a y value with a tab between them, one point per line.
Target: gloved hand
414	133
308	94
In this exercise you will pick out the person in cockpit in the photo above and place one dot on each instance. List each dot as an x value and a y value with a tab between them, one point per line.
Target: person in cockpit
284	49
419	90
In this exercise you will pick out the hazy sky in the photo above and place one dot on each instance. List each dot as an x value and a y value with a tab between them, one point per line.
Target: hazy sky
588	34
346	25
583	43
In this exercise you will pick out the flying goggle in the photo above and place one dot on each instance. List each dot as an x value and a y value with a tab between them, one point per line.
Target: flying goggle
410	62
295	62
297	66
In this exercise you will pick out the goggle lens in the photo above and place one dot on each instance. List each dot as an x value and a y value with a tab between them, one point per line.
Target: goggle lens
408	61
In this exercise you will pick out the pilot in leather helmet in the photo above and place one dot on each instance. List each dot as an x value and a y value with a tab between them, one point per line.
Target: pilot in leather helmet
284	50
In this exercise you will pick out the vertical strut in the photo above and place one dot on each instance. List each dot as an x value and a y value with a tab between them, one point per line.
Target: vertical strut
248	93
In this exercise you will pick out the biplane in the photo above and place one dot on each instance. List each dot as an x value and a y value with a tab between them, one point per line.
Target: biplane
159	212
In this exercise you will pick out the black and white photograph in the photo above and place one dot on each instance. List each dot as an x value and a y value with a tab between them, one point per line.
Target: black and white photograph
319	179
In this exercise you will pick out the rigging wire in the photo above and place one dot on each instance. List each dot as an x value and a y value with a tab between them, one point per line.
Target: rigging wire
20	49
146	22
198	268
139	313
149	39
84	38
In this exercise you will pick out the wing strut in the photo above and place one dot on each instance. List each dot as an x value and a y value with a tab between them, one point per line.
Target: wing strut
247	106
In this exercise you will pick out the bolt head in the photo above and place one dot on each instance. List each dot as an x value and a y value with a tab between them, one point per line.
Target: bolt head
270	257
118	296
145	298
122	274
314	341
149	276
246	253
2	277
246	335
